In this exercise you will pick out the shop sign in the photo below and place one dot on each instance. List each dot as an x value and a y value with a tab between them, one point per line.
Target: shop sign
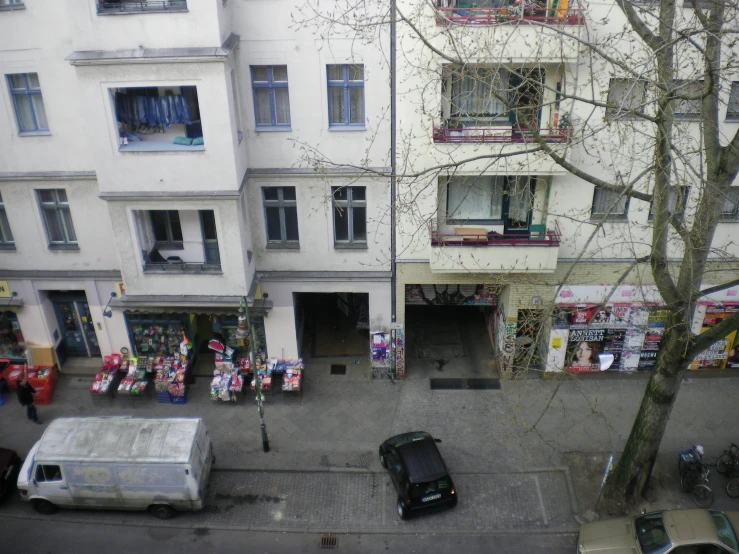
5	291
452	295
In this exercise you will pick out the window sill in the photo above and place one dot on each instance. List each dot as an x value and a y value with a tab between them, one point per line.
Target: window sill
732	118
169	246
34	134
729	220
611	219
158	146
12	7
350	246
190	268
467	222
343	128
688	117
283	246
273	129
112	11
63	247
7	246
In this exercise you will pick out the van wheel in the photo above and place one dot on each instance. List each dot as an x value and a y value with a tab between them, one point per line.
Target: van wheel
403	511
43	507
162	511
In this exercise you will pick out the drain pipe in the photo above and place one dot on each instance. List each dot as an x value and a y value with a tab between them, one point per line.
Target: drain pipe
393	178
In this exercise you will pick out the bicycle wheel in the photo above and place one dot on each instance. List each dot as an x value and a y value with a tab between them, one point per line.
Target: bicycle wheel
725	464
686	481
703	496
732	487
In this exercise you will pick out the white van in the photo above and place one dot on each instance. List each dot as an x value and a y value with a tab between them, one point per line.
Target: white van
121	463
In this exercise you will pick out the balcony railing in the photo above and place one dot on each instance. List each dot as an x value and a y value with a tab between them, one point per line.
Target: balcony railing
182	267
475	237
139	6
498	133
511	15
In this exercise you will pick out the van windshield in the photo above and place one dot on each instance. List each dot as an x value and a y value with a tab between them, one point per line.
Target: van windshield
419	490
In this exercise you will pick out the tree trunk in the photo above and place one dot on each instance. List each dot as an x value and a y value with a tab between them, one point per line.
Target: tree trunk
628	482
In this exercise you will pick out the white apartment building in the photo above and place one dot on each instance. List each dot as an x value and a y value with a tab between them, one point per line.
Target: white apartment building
488	223
153	173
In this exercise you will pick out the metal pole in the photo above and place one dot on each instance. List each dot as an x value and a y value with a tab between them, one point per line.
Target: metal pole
393	155
257	380
609	465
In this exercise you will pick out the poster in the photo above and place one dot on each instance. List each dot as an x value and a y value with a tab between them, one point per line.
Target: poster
722	353
380	346
583	347
652	337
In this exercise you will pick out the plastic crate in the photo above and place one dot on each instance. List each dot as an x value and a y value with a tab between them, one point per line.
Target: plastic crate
163	397
179	399
12	374
42	396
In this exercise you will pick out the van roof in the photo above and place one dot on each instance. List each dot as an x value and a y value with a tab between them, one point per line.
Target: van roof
115	439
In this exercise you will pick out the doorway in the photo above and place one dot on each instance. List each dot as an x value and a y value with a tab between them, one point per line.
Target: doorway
76	326
517	204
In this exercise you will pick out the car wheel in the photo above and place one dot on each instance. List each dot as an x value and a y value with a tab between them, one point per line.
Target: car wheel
403	511
162	511
43	507
383	461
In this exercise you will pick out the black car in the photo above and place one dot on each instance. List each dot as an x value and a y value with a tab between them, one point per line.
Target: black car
419	474
10	465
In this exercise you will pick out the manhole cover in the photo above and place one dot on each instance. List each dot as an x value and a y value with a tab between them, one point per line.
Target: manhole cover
338	370
329	541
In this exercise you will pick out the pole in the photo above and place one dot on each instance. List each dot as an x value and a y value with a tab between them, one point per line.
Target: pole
393	168
609	465
257	380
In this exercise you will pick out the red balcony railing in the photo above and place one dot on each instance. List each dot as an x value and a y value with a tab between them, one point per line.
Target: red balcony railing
510	15
469	236
499	133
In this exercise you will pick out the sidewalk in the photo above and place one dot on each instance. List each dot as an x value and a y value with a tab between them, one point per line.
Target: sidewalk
511	451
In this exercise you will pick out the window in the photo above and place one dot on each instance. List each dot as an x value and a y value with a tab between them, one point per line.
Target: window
133	6
57	218
167	229
350	216
237	105
48	473
724	530
29	105
210	236
702	4
730	210
688	109
612	205
677	199
18	3
271	99
478	92
281	216
475	198
6	237
626	96
345	95
732	110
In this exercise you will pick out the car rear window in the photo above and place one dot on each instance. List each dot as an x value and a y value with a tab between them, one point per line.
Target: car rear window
419	490
724	530
651	534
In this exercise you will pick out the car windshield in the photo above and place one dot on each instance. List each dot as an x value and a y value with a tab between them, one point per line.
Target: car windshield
419	490
724	531
651	534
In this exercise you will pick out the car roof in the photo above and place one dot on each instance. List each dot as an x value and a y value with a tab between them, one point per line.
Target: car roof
422	460
689	526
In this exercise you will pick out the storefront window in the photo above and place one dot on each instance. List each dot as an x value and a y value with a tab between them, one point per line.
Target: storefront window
228	330
12	343
159	334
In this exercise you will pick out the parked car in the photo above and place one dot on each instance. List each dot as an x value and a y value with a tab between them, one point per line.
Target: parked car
10	465
418	472
667	532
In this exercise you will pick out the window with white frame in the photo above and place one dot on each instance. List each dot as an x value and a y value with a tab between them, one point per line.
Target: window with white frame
730	209
345	95
475	199
281	217
477	92
350	216
6	237
626	96
677	200
167	229
732	110
11	2
271	97
57	217
30	113
688	109
610	204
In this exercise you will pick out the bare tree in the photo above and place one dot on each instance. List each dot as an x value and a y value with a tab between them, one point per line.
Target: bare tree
633	95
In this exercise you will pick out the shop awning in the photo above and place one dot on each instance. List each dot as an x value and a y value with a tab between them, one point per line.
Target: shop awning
14	302
189	304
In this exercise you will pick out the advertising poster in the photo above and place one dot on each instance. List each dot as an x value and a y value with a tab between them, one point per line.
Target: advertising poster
652	337
722	353
583	347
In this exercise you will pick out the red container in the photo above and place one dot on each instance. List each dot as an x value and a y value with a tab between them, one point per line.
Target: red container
42	394
13	373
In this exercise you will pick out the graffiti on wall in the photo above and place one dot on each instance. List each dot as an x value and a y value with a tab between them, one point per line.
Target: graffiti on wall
399	354
452	295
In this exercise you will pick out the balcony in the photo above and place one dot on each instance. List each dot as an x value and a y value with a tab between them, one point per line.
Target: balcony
174	264
495	134
513	13
122	7
473	249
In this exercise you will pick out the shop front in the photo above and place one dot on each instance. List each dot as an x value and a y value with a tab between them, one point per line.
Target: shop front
12	343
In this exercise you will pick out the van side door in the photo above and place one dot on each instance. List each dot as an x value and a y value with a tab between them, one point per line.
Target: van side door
94	484
51	484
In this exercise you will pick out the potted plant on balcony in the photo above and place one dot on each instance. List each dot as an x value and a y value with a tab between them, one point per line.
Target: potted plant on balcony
454	127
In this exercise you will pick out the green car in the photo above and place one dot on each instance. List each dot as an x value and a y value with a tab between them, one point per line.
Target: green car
671	531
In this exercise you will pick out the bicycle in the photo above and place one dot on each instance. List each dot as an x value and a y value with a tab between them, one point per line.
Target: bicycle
732	487
728	463
694	476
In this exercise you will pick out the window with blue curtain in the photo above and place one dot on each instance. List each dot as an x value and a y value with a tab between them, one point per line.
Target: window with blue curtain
271	97
345	95
28	102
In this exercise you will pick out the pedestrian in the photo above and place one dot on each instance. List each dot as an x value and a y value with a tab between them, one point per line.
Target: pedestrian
25	397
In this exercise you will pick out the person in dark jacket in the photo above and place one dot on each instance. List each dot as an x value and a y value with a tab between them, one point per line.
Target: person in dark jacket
25	397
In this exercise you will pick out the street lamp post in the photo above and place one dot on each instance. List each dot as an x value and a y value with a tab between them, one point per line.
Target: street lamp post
243	329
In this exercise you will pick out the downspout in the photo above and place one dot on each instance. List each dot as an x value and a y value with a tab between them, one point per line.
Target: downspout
393	155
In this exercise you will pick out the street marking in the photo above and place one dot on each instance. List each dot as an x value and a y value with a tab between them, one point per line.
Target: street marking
541	501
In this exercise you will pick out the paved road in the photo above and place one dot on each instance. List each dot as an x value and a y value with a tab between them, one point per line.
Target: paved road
57	537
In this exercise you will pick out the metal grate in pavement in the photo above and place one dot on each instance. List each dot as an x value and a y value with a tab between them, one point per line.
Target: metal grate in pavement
338	369
329	542
450	383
